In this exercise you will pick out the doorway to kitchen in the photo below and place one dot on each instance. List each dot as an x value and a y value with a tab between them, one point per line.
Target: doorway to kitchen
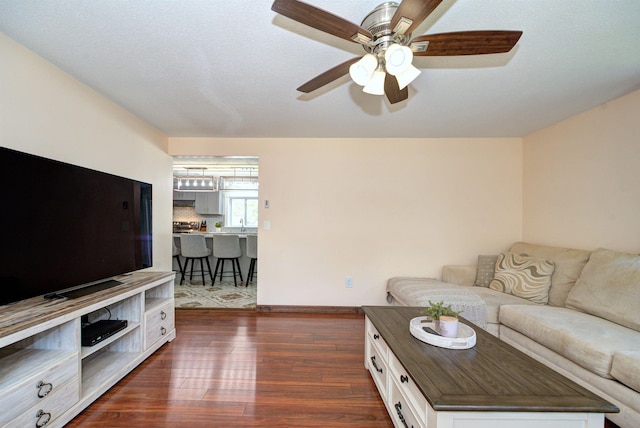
213	197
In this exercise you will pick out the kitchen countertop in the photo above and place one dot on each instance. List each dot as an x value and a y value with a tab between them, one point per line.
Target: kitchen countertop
210	234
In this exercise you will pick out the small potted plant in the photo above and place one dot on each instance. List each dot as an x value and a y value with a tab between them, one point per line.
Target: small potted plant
444	318
218	226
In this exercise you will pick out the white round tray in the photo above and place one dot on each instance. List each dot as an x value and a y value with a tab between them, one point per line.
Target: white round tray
466	335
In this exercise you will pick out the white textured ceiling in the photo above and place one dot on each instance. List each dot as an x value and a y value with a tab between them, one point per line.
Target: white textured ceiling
230	68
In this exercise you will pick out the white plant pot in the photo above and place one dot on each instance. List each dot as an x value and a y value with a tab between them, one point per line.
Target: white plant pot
448	326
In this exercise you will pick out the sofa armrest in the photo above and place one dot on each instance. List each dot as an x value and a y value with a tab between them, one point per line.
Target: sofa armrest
459	274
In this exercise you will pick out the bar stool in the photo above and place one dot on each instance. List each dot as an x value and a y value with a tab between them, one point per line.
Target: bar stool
252	253
193	247
176	254
227	247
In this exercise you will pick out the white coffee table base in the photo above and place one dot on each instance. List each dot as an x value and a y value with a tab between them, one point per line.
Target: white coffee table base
408	406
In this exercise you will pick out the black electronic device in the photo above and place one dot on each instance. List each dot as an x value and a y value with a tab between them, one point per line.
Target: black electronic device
100	330
431	331
66	227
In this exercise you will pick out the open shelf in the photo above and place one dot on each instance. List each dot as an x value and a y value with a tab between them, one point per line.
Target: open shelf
155	302
104	368
89	350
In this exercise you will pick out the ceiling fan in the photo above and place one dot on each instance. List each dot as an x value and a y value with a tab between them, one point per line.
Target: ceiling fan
385	34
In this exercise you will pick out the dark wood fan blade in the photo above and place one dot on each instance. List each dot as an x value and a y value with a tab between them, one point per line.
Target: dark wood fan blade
392	90
328	76
318	19
415	10
468	43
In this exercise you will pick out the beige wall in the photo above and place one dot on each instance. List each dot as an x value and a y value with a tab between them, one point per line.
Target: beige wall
373	209
368	209
582	179
48	113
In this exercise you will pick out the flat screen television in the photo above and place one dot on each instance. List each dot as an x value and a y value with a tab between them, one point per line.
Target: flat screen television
68	230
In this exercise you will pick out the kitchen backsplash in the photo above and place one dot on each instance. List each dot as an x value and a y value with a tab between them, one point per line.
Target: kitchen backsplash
189	214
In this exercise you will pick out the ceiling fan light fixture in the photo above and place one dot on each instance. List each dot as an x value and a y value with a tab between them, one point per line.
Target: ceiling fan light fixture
385	34
362	70
397	59
375	86
408	76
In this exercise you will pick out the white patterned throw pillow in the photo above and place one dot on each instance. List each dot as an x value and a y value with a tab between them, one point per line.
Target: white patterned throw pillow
522	276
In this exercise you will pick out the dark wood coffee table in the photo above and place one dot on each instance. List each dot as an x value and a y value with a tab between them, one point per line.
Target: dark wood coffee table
490	385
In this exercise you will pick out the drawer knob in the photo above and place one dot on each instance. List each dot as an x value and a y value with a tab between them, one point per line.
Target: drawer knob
163	315
376	336
43	418
398	407
404	379
163	331
44	388
373	361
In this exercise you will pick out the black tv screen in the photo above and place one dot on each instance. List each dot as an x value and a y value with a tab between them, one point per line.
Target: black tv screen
67	226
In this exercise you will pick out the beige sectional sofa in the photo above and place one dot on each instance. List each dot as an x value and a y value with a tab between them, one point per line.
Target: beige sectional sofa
576	311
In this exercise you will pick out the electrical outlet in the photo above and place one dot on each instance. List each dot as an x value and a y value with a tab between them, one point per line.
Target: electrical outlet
348	282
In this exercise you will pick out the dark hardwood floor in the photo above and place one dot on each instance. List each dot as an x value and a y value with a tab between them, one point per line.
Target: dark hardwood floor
248	369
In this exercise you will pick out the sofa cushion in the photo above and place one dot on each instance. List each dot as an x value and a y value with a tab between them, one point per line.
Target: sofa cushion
422	291
588	341
522	276
626	368
486	270
495	299
568	265
609	287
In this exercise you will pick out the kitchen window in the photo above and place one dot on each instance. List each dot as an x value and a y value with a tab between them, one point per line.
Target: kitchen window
240	195
242	211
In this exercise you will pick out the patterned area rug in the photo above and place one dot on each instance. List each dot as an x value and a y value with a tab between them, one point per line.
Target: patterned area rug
221	295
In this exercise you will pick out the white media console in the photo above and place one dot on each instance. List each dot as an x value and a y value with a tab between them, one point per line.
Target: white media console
47	377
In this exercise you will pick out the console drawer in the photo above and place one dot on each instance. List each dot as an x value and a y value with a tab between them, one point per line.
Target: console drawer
37	386
377	339
160	315
50	408
401	412
158	322
378	368
409	389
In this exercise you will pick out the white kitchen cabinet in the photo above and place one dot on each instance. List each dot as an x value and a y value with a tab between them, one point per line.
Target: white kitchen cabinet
184	196
207	202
